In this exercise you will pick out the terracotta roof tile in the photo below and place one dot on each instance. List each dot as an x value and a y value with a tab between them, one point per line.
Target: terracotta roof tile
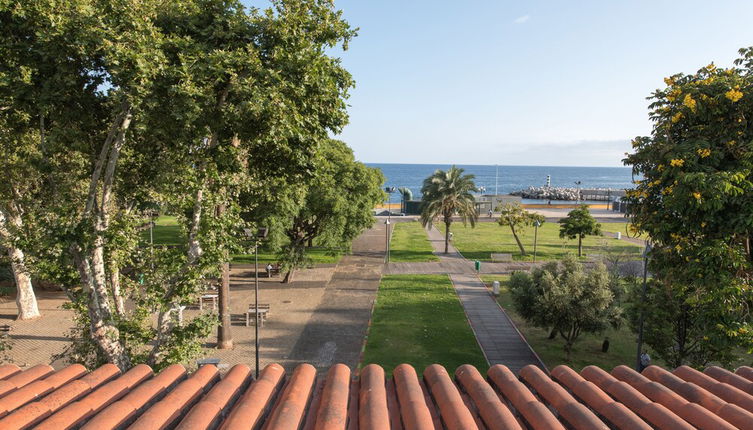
745	371
7	370
340	400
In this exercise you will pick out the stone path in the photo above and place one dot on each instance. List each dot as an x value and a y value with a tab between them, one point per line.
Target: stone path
336	331
498	337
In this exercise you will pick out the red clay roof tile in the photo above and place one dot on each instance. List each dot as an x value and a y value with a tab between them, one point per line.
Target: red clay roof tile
373	412
338	400
7	370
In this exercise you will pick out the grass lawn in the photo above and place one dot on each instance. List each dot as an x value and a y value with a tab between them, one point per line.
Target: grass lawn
587	349
419	320
621	227
486	238
167	231
410	243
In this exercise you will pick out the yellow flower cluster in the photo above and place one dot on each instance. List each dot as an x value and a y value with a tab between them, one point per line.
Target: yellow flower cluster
669	81
689	102
667	191
704	152
660	167
676	117
677	162
654	183
697	195
731	143
734	94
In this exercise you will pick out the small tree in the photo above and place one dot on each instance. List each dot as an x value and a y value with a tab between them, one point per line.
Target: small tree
445	194
563	296
514	216
579	223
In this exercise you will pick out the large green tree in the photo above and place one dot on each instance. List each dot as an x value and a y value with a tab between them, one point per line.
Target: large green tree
331	209
578	224
186	104
446	194
514	216
694	199
565	297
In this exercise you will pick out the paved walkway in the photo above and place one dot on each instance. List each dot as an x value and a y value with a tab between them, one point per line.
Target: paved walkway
498	337
336	331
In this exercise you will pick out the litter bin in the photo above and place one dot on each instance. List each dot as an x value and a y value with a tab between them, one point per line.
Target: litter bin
477	264
495	288
619	235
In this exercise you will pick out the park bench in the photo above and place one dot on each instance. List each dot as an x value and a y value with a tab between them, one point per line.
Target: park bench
260	317
208	297
502	258
4	329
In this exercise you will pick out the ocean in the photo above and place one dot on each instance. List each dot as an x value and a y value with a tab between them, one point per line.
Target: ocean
507	179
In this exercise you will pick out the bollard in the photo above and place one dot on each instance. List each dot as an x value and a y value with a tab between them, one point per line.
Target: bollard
495	288
619	235
478	265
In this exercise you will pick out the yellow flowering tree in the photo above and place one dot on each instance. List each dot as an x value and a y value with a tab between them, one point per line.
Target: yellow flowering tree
696	204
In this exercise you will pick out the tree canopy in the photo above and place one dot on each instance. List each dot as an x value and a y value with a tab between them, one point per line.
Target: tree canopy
514	216
579	223
446	194
183	105
566	298
694	198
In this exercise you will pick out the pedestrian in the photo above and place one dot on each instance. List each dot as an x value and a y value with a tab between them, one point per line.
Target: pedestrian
645	360
269	270
490	213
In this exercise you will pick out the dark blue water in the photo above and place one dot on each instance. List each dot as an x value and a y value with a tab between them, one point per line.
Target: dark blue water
509	178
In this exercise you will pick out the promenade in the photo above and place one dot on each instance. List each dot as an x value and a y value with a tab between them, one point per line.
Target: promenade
499	339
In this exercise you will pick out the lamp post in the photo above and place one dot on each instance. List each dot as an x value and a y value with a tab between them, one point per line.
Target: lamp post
260	235
577	196
389	191
643	311
387	241
536	226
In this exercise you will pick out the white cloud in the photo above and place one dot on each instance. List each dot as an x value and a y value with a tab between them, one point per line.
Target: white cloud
522	19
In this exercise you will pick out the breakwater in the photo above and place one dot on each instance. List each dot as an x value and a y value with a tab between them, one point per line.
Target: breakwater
571	194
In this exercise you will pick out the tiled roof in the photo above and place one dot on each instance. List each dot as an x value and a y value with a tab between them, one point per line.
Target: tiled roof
42	398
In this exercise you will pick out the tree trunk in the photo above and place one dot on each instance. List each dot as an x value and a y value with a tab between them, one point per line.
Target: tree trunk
552	334
447	237
580	246
115	286
224	334
310	243
517	239
25	298
288	277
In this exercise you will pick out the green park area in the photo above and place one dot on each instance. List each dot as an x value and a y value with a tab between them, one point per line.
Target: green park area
410	243
587	349
486	238
419	320
167	231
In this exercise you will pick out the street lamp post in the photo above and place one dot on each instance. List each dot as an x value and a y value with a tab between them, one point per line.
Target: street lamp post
577	196
389	191
387	241
536	226
261	234
643	311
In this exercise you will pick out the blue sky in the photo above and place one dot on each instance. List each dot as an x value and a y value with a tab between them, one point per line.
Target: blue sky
524	82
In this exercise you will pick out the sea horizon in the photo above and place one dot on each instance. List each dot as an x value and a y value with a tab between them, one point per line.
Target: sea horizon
504	179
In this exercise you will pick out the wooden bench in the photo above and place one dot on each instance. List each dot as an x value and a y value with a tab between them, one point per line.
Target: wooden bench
502	258
260	317
5	328
208	297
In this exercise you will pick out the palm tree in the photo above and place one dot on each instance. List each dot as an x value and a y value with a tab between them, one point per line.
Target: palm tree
446	194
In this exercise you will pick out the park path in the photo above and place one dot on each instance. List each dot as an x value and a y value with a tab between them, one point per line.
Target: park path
336	331
497	335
